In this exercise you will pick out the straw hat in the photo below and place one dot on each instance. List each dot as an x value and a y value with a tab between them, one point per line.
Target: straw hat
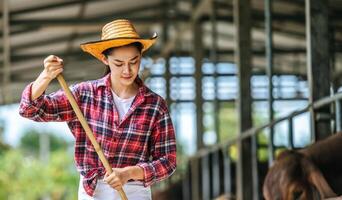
115	34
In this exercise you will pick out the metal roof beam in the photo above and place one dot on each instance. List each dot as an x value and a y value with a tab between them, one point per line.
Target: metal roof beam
81	55
299	18
93	20
50	6
35	24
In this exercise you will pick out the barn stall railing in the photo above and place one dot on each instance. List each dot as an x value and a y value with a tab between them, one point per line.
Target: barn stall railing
211	172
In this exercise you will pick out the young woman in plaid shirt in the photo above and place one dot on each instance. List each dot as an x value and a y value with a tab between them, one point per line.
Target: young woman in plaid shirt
131	123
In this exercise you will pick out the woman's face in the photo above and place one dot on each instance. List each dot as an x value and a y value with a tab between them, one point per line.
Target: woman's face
124	63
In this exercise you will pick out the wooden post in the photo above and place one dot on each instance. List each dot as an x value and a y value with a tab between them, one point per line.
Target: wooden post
6	91
165	39
198	56
269	71
318	65
196	193
214	59
242	21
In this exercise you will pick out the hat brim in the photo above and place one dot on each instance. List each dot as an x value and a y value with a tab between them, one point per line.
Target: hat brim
96	48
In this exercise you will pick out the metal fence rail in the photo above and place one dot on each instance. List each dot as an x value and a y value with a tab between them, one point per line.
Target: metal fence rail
211	171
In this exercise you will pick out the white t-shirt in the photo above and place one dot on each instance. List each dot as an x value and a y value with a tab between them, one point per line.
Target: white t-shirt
122	105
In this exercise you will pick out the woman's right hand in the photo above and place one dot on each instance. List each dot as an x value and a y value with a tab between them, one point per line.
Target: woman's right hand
53	65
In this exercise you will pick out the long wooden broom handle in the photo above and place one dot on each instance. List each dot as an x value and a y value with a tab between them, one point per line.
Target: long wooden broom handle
87	129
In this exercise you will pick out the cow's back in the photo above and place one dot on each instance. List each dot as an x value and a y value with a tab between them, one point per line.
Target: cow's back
327	155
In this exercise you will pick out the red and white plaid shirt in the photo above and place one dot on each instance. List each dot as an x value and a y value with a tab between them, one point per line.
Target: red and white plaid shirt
144	137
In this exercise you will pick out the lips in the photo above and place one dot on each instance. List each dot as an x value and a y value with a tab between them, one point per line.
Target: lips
126	77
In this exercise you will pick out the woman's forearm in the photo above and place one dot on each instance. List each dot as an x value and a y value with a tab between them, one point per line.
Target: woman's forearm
53	66
39	85
135	172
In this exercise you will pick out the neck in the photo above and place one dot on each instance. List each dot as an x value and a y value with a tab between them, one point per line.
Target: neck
123	91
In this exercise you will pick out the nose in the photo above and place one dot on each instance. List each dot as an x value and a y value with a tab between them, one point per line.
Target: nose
126	68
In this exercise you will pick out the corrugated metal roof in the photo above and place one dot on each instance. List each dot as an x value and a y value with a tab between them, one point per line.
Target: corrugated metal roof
40	28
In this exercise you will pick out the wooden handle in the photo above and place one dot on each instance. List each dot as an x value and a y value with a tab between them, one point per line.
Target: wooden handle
87	129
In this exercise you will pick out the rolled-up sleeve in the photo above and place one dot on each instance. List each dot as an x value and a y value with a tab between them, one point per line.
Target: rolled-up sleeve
163	151
52	107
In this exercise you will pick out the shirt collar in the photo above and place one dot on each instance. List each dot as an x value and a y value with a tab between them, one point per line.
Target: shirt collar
105	82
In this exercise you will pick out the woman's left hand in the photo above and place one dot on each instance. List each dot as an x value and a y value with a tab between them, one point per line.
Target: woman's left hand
118	178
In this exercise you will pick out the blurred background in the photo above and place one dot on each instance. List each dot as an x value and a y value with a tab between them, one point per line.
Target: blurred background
243	79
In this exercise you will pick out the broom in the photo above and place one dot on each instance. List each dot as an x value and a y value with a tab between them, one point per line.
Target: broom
87	129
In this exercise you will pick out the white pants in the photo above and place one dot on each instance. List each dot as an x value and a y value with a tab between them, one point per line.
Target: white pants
134	191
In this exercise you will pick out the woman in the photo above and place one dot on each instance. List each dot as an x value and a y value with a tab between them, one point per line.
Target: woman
130	122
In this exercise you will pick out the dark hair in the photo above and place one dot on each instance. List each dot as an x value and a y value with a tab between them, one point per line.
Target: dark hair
107	52
138	45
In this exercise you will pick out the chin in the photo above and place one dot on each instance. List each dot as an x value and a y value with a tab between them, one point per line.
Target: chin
127	82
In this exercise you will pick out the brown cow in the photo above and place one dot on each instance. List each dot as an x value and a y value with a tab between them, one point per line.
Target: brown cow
314	172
